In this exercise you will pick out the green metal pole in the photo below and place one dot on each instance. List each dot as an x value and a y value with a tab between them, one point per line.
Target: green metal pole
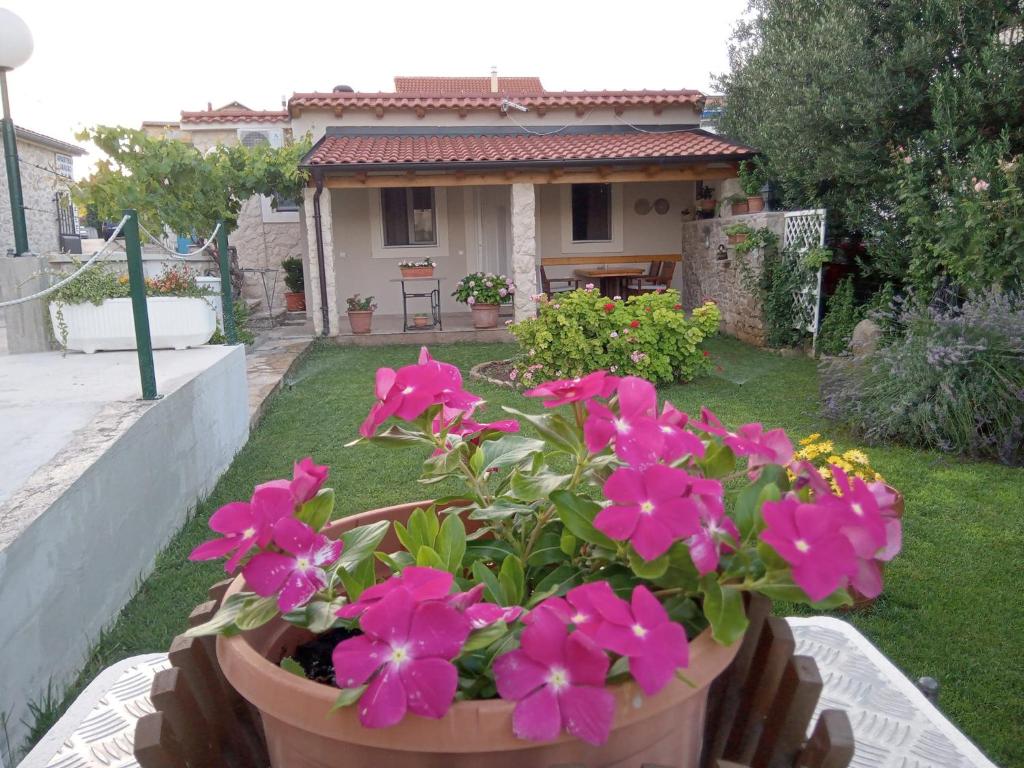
137	283
227	304
13	172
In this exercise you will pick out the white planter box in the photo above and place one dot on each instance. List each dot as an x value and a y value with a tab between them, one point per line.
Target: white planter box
175	322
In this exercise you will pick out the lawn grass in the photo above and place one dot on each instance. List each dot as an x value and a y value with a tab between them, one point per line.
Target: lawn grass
952	608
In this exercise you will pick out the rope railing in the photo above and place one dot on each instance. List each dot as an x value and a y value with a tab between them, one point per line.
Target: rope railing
181	256
60	284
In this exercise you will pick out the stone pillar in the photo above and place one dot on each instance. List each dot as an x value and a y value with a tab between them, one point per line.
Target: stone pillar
312	270
327	225
524	249
28	324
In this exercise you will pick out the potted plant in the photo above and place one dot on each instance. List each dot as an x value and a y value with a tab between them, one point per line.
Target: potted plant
360	313
295	296
572	604
417	268
752	180
421	320
738	204
484	292
94	311
737	233
706	201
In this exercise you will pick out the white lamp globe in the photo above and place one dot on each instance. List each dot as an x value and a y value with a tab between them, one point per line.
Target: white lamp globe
15	40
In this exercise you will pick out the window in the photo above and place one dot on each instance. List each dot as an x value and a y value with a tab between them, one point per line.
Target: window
408	216
591	212
285	204
65	166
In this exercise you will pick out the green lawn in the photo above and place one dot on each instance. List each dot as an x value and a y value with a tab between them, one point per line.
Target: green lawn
952	608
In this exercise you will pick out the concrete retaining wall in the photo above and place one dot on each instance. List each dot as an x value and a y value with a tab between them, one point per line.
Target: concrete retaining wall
107	504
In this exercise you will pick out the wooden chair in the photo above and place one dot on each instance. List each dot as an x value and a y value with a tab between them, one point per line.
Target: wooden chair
636	284
548	284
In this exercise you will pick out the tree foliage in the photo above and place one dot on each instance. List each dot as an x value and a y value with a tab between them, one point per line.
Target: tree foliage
173	184
888	112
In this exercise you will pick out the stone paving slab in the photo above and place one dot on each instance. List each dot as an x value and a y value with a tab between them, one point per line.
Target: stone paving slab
275	354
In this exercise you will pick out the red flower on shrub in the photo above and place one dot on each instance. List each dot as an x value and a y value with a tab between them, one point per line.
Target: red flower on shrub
634	324
609	307
706	353
677	307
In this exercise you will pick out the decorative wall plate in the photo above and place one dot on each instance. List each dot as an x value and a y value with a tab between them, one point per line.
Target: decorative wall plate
642	206
661	205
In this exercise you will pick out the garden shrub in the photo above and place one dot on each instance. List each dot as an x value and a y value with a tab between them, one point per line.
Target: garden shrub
841	316
783	279
646	335
953	380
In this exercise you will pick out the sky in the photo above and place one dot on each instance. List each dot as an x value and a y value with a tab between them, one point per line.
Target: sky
119	63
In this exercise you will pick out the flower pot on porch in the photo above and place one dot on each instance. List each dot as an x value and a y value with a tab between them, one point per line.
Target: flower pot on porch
360	320
295	302
417	271
421	321
708	206
755	204
302	732
485	316
739	207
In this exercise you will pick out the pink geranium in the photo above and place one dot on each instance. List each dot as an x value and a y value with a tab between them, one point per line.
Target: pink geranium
298	574
421	582
406	648
634	429
717	532
245	525
808	537
565	391
648	509
557	681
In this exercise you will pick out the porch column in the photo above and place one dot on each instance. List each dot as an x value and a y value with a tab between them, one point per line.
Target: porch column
312	275
524	249
313	271
327	226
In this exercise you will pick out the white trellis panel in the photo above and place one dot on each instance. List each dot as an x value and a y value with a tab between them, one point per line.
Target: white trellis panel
805	230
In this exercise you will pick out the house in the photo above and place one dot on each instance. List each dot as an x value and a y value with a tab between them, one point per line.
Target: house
496	174
47	168
267	233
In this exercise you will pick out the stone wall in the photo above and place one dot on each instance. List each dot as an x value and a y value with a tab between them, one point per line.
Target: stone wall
38	187
711	269
264	244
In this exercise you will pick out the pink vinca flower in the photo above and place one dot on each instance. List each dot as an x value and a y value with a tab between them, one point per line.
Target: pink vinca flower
634	429
874	537
565	391
648	509
406	648
481	614
750	440
422	583
717	532
557	681
640	629
298	574
307	479
677	440
809	538
245	525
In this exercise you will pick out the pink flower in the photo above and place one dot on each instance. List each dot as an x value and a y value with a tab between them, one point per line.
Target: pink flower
648	509
980	185
471	300
589	286
482	614
564	391
406	648
307	480
422	583
677	441
298	575
634	429
873	535
760	447
717	532
808	537
557	681
640	630
246	525
503	292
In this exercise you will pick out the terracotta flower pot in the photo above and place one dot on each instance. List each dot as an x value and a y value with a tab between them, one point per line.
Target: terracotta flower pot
485	315
421	321
739	207
666	729
295	302
755	204
862	601
708	205
734	239
417	271
360	321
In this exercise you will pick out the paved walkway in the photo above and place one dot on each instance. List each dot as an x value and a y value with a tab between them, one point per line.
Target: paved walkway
273	356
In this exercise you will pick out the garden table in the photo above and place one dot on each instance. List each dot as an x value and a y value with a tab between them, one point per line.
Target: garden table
894	725
612	281
419	290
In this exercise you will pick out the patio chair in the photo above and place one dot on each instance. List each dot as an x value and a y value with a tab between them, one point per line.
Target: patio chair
549	285
660	281
636	284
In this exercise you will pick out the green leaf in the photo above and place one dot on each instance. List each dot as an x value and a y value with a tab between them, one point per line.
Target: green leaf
782	587
451	543
648	569
682	573
512	579
723	608
348	697
257	612
509	450
719	461
535	487
317	511
577	514
396	436
423	527
558	582
483	574
567	543
553	427
487	550
500	509
396	561
427	556
361	577
620	667
547	550
225	617
288	664
406	538
361	542
476	461
482	638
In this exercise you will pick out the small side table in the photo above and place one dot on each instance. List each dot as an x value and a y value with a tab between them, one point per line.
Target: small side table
421	288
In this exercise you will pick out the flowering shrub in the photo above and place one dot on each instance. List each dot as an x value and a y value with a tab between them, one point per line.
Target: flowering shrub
647	335
569	563
484	288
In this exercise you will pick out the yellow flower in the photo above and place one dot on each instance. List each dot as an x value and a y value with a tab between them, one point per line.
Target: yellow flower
810	439
857	456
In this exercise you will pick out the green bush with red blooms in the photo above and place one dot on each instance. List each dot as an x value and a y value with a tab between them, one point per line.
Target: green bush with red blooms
647	335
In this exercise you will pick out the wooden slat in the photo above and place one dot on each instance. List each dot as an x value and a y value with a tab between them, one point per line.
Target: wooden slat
571	261
831	744
156	745
172	696
790	714
202	613
216	592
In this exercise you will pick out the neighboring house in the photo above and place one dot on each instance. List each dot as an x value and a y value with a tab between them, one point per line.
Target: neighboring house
266	233
494	174
714	106
47	169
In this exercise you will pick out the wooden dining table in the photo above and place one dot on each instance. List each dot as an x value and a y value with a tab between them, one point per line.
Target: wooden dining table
612	282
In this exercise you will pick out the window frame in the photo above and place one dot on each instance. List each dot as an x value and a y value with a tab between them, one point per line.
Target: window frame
410	222
609	213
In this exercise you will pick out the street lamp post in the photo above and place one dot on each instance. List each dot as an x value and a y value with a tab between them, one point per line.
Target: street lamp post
15	48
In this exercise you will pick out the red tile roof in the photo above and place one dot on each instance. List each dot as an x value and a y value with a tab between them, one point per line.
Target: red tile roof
235	113
463	86
438	148
547	99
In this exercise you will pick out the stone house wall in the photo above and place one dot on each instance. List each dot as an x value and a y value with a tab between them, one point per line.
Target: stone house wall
712	269
39	184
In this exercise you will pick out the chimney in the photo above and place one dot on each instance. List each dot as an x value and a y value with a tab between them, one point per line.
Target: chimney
494	79
209	106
